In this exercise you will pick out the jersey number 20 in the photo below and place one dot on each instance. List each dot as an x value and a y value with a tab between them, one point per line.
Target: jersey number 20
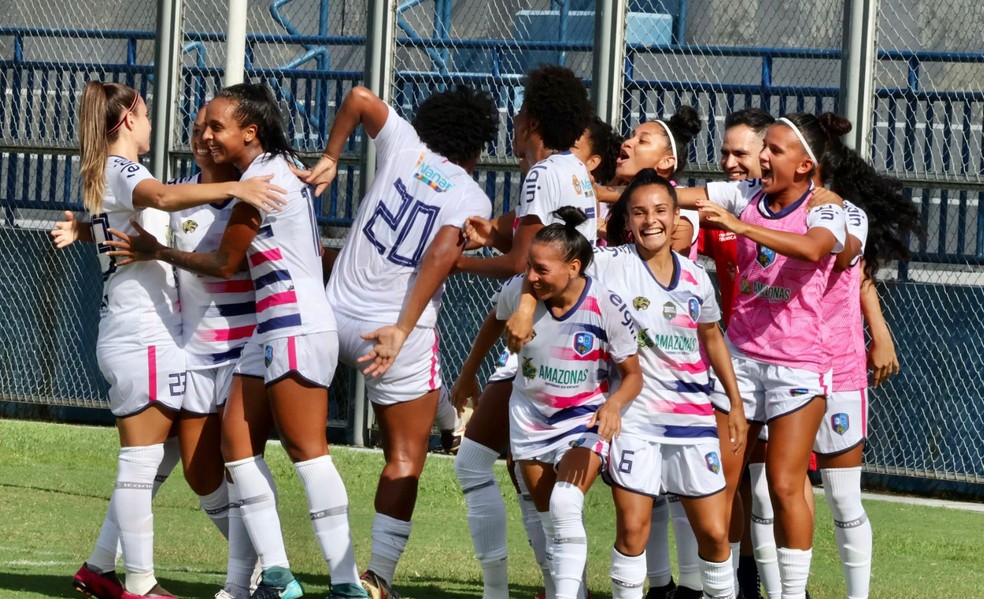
412	224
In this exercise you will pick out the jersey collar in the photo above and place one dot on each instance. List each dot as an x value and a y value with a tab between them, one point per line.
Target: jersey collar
763	205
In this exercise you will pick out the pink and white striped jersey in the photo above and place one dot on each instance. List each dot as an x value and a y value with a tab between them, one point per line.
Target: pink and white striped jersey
218	315
842	312
778	314
560	179
140	301
285	260
674	406
563	373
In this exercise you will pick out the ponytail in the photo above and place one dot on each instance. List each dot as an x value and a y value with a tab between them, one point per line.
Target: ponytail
683	126
573	245
101	112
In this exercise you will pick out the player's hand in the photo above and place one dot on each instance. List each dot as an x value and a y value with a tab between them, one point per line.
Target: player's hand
478	232
321	176
718	217
518	331
66	232
133	248
259	193
465	389
882	361
389	342
821	196
737	429
609	421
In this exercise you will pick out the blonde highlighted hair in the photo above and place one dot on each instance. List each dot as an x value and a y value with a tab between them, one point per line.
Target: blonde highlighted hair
103	107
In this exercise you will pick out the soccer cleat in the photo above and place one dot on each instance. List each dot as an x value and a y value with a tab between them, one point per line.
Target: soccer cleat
278	583
687	593
94	584
224	594
450	442
346	590
663	592
376	587
158	592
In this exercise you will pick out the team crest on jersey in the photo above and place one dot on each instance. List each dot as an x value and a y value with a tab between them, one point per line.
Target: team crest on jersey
583	342
669	310
693	309
268	356
713	462
840	422
644	340
746	286
640	303
765	256
189	226
577	184
529	370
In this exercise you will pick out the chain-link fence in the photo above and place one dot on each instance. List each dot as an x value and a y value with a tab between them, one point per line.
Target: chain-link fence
922	123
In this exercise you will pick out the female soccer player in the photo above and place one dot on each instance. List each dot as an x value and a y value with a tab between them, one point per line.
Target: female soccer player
139	329
777	332
554	115
561	414
387	282
294	347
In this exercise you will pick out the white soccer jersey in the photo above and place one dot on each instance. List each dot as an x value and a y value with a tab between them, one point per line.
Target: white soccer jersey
218	315
140	301
414	194
285	260
559	180
674	406
563	373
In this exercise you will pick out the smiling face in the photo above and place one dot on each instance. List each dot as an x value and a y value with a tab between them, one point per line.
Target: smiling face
740	153
649	147
227	140
783	159
203	157
651	218
549	274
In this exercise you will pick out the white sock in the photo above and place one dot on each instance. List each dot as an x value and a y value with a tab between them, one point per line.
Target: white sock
570	542
548	532
794	566
531	519
242	557
717	579
763	537
258	506
688	563
486	514
216	507
628	575
735	560
446	418
389	539
328	503
852	530
172	455
132	513
658	546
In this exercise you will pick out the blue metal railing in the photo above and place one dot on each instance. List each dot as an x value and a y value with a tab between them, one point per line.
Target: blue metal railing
38	170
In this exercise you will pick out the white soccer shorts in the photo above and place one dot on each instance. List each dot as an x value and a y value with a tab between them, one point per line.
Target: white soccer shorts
142	376
207	389
313	357
845	422
770	390
650	468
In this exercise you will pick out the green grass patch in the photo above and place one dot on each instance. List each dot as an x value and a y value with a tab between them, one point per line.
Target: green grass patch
55	482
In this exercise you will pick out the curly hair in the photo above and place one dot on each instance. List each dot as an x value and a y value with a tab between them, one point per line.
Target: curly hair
256	105
457	124
619	215
565	234
557	101
607	144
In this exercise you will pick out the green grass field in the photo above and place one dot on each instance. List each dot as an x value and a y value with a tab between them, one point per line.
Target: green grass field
55	482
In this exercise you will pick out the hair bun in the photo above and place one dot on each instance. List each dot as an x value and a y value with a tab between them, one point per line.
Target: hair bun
571	215
834	125
685	123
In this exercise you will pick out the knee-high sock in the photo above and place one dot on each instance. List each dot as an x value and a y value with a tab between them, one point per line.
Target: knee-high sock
389	540
718	579
628	575
242	556
486	514
547	565
570	543
852	530
687	561
216	507
328	503
133	515
258	506
531	520
763	537
658	546
794	565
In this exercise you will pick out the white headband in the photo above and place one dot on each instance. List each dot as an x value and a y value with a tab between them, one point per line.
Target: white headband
799	134
669	134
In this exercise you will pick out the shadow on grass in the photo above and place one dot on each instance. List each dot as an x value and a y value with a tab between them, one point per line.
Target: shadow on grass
438	588
60	585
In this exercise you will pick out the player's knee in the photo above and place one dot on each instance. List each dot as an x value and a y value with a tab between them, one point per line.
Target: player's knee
785	490
566	504
712	535
631	535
